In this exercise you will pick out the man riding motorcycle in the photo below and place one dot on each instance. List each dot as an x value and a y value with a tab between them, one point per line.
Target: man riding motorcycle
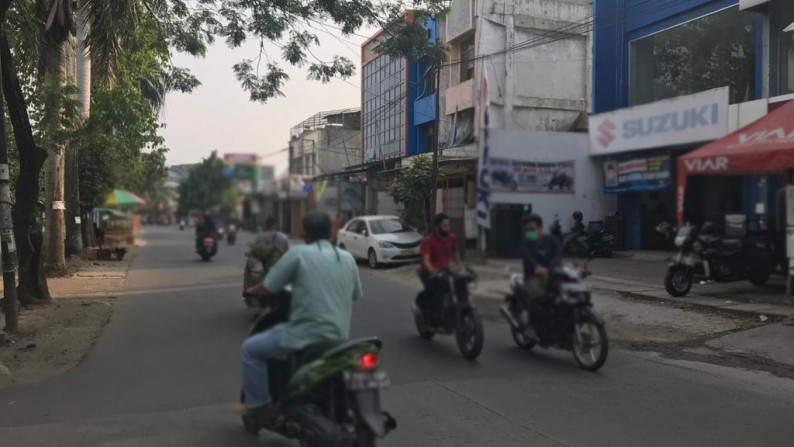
436	249
325	282
539	255
205	228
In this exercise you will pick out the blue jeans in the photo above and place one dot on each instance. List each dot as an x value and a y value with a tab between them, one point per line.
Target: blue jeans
254	354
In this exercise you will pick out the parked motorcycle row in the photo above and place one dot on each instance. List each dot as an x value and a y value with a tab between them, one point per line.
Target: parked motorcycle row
584	241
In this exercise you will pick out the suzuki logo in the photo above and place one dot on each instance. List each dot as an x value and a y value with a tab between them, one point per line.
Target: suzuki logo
606	133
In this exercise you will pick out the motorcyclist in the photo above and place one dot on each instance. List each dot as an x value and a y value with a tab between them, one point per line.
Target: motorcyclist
435	251
325	282
205	228
539	255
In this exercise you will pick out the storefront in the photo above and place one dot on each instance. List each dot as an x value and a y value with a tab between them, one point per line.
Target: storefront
637	149
547	173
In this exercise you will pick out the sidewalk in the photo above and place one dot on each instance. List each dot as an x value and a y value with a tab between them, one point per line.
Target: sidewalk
53	338
640	275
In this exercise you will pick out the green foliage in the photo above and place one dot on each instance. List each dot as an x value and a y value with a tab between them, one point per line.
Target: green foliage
206	187
414	189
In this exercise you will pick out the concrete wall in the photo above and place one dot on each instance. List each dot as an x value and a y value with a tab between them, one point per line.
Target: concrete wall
587	197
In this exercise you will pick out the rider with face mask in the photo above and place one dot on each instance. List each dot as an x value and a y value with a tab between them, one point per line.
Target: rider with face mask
539	254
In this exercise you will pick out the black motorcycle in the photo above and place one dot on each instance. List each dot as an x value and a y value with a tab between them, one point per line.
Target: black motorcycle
207	247
565	319
328	393
451	312
706	255
593	240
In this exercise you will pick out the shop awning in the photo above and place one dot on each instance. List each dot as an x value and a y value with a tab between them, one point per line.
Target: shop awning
766	145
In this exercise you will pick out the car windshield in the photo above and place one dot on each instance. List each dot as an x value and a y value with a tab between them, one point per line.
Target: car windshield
385	226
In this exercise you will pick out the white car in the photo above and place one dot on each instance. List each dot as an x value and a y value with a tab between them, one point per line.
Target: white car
380	240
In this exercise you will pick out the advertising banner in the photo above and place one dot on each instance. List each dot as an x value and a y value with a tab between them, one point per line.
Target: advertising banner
686	119
531	176
637	174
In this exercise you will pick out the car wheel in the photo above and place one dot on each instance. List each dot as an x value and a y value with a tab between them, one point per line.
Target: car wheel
372	257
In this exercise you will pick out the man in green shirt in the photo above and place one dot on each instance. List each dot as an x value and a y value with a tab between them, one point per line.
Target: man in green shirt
325	282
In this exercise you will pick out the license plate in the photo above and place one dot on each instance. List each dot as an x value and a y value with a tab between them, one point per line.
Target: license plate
366	380
408	253
208	245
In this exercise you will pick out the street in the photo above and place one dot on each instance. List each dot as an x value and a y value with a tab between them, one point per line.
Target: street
165	372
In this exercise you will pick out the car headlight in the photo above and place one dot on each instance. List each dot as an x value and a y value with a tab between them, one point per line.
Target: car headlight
385	244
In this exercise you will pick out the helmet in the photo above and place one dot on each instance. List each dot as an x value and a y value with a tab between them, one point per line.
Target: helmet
577	215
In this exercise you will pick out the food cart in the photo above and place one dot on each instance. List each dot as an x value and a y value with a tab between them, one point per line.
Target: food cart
114	231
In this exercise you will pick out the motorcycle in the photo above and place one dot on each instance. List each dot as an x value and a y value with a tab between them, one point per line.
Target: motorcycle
556	229
565	319
707	256
231	235
328	393
181	225
583	241
453	313
207	248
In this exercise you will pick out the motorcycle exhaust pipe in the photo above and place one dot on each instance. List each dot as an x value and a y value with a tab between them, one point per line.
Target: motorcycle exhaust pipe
509	316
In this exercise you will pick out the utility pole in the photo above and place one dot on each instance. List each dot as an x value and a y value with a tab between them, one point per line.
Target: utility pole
436	131
9	252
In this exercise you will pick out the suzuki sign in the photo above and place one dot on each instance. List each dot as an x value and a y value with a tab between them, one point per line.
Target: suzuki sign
686	119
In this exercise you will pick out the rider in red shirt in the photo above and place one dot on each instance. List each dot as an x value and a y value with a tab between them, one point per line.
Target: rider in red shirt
436	250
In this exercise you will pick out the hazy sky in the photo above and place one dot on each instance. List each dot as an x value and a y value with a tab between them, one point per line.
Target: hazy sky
219	115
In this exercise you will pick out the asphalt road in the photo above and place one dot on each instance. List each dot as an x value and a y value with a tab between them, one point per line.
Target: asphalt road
165	372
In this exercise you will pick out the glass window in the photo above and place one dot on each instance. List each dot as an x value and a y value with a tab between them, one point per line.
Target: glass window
467	59
782	18
713	51
383	226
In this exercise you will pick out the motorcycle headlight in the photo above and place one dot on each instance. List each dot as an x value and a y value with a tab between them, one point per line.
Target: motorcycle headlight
385	244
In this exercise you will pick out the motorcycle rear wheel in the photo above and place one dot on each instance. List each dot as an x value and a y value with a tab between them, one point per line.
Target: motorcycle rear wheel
470	334
584	343
678	281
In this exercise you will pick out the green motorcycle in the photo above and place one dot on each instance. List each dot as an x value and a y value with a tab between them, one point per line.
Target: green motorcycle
328	393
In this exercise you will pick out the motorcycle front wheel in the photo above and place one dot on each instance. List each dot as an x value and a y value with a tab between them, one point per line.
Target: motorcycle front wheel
470	334
590	344
678	281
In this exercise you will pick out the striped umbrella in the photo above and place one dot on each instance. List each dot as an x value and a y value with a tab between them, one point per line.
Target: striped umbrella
123	199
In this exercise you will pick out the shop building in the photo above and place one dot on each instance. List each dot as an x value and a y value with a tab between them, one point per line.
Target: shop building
670	76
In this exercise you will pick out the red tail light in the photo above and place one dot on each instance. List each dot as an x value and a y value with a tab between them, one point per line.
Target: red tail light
208	240
369	360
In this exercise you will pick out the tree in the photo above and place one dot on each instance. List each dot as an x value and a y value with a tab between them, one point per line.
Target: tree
207	187
414	189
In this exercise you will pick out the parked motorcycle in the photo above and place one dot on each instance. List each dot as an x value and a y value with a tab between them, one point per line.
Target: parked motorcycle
208	247
328	393
594	239
565	319
231	235
556	229
706	255
452	313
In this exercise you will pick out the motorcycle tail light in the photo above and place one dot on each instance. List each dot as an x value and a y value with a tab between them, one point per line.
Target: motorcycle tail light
368	361
208	240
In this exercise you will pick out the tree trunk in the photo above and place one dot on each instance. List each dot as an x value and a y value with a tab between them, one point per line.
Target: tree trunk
84	96
32	283
7	246
56	59
74	237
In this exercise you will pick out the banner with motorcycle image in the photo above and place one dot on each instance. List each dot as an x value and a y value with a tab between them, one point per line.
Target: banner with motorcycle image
637	174
510	175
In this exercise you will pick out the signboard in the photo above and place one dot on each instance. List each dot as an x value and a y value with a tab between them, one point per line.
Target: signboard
483	176
531	176
686	119
637	174
239	159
